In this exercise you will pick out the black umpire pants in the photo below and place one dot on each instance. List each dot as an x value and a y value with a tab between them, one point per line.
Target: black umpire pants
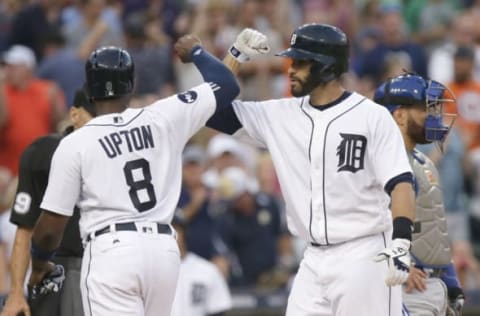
68	301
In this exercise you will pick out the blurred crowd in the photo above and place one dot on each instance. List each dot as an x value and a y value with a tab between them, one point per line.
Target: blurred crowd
230	197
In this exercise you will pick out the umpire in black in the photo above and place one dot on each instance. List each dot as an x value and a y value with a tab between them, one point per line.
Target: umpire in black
33	178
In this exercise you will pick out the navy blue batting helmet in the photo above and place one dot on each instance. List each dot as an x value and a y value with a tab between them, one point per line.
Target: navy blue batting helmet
109	73
410	90
324	44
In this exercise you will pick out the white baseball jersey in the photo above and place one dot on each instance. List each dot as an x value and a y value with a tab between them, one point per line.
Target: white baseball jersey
201	289
125	167
333	164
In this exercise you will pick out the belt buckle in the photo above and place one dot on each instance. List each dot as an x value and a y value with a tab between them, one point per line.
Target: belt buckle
148	228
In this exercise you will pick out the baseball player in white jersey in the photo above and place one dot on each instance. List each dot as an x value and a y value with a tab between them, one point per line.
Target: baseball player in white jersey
417	106
123	170
201	290
344	174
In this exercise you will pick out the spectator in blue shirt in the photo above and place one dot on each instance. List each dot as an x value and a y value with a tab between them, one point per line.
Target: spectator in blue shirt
194	204
394	40
61	65
250	227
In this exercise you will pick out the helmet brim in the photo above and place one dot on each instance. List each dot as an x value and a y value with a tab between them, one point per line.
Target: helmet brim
296	53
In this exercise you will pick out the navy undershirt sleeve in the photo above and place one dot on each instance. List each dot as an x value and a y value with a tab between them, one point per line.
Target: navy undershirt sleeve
404	177
224	120
225	88
224	84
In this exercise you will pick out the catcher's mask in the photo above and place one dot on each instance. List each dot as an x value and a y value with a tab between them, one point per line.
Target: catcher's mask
410	89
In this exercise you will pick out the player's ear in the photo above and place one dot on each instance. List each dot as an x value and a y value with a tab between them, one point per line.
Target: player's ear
79	116
73	114
400	116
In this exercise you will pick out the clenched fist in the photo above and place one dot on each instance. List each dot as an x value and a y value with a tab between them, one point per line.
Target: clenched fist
248	44
183	47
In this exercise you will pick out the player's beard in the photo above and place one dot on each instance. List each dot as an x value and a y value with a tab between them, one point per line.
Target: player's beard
303	86
416	132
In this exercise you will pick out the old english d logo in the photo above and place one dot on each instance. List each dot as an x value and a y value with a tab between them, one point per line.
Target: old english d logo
351	152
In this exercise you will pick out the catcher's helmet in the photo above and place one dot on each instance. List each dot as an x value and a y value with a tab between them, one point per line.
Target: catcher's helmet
410	90
110	73
324	44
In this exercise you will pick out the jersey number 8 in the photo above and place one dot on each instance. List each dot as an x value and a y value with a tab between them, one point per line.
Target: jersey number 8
136	185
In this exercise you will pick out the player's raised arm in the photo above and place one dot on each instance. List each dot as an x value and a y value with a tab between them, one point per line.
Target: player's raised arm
223	82
248	44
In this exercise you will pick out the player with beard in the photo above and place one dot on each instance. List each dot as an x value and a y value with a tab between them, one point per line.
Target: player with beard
344	175
417	106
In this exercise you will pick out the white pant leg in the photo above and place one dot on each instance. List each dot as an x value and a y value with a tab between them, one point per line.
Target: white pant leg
347	279
160	279
431	302
117	273
307	294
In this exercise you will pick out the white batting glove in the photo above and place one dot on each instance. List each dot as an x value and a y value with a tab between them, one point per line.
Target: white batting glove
248	44
398	257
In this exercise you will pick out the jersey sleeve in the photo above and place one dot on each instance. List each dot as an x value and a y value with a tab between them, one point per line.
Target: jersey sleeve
64	182
252	116
219	298
188	111
31	187
389	152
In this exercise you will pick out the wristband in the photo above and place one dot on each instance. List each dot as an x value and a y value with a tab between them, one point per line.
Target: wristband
40	254
238	55
402	228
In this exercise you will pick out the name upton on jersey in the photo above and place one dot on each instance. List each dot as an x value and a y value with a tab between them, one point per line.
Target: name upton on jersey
137	138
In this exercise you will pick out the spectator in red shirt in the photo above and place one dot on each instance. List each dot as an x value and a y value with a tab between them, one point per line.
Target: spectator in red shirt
32	107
